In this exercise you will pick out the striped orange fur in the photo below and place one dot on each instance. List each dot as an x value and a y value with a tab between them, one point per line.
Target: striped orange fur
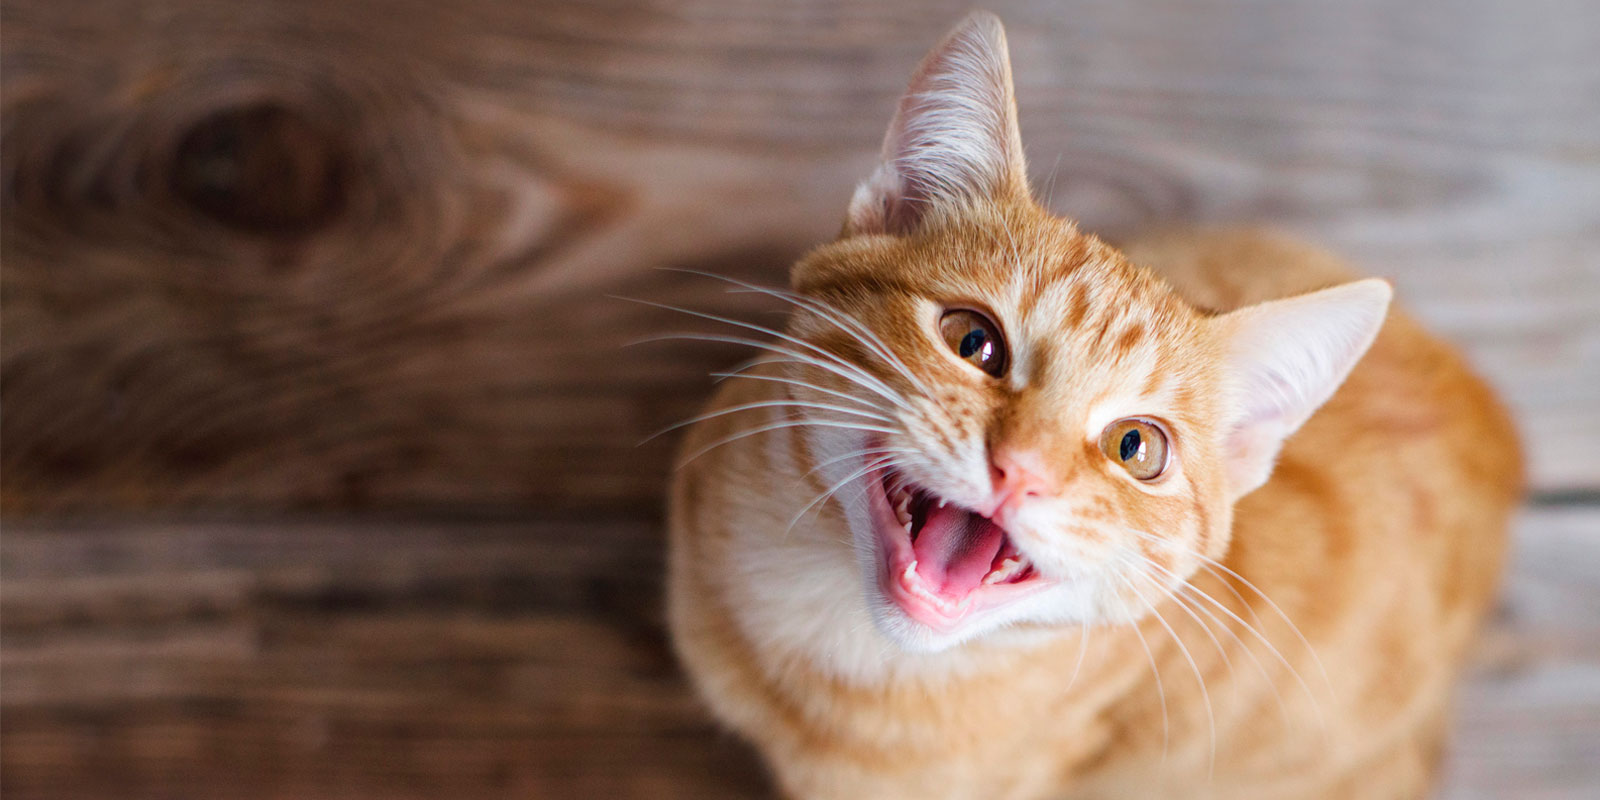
1279	611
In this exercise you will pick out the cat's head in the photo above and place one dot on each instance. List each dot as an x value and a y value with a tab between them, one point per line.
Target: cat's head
1035	430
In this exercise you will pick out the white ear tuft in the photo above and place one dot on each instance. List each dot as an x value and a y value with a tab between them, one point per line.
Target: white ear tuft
1284	359
954	138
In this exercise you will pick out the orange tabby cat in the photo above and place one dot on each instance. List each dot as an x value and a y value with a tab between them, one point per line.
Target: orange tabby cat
1008	513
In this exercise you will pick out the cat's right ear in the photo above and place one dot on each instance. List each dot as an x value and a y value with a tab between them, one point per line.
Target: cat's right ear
954	139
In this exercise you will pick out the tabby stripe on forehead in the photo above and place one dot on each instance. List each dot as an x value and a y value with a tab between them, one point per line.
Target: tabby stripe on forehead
1157	379
1102	331
1033	290
1130	338
1041	355
1077	305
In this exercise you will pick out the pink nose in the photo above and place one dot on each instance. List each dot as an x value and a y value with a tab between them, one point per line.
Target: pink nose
1018	475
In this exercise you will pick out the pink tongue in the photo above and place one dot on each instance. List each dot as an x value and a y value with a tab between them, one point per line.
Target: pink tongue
954	550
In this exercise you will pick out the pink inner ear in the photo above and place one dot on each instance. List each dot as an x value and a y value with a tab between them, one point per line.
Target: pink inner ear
1286	357
904	212
954	137
1252	449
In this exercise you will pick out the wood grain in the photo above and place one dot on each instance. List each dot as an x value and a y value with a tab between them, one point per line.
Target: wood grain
1528	723
506	659
355	661
298	254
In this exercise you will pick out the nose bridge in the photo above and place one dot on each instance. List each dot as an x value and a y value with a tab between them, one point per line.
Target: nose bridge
1035	430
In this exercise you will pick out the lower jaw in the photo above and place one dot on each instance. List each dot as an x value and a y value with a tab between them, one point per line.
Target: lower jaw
941	615
938	615
902	589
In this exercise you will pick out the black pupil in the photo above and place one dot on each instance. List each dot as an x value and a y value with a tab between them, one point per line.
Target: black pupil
973	342
1130	445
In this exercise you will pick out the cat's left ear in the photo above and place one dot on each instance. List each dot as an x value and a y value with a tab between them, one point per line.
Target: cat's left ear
954	139
1283	359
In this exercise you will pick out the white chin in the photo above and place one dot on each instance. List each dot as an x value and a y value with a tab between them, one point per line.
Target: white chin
914	637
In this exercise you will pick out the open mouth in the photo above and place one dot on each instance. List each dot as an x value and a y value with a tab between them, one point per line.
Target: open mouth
943	562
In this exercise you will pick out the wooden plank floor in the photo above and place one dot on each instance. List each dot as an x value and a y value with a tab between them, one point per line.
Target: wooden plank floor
505	659
386	285
354	256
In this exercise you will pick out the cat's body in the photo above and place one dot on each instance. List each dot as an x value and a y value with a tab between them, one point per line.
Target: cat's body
1379	535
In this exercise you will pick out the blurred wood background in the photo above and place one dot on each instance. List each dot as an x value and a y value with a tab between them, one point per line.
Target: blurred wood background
353	259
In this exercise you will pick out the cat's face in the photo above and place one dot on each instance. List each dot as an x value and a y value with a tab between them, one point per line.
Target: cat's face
1047	436
1019	426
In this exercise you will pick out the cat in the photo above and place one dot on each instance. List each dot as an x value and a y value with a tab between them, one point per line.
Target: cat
1006	512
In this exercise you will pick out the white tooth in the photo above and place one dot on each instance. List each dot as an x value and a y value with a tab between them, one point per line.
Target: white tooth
1009	567
908	527
941	502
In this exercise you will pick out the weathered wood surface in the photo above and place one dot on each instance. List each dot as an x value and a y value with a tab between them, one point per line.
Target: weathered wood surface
474	660
1528	724
353	661
296	254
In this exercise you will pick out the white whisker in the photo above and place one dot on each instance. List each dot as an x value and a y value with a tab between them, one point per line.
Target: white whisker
1050	187
864	376
829	313
1277	696
740	373
1259	635
1175	592
1211	562
765	404
1274	606
1083	647
1166	724
1189	606
1205	694
881	461
870	451
854	375
824	423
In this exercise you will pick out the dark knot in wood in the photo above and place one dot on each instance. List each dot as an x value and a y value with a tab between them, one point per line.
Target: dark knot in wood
263	168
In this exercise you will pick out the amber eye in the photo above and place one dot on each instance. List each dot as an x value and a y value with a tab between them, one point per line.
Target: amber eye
976	339
1140	446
